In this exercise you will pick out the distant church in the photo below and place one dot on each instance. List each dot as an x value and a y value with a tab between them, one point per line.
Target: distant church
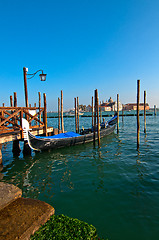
110	105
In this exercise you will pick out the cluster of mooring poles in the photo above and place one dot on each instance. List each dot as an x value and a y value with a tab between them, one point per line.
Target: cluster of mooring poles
138	114
96	115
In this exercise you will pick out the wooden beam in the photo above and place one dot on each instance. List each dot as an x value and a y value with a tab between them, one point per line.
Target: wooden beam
12	115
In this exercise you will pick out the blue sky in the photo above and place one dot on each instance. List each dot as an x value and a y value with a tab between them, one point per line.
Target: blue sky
81	45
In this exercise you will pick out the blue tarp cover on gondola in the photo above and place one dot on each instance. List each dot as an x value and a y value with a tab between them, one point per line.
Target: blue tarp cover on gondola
62	135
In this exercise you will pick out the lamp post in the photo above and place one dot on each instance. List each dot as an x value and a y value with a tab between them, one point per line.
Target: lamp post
42	78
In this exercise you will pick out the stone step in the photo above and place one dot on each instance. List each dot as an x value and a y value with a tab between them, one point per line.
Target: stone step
22	217
8	193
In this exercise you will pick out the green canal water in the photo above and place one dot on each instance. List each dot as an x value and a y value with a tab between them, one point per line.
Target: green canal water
115	188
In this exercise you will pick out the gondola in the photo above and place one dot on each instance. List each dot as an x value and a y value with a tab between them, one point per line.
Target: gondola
39	143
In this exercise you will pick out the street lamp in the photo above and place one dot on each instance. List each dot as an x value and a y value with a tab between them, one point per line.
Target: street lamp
42	78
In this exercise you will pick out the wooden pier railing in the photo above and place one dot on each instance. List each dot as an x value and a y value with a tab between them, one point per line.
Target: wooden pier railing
11	118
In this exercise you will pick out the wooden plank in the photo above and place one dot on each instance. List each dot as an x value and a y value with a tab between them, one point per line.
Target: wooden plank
15	108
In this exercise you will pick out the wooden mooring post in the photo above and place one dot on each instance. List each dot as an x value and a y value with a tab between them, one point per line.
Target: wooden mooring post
11	101
15	99
100	112
138	120
145	112
16	148
122	112
16	145
39	94
62	124
95	112
92	113
98	122
117	113
75	114
155	110
15	103
58	115
25	87
78	114
96	118
45	115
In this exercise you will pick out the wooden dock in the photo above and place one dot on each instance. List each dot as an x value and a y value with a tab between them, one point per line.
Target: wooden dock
11	124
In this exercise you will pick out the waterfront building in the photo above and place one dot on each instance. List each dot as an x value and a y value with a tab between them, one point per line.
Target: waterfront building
133	106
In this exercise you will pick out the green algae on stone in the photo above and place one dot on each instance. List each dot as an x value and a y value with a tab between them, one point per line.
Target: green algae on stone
61	227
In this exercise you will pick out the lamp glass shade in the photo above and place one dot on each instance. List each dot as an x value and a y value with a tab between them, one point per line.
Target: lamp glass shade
42	77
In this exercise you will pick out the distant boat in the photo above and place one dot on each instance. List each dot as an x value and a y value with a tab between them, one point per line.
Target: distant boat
72	113
61	140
